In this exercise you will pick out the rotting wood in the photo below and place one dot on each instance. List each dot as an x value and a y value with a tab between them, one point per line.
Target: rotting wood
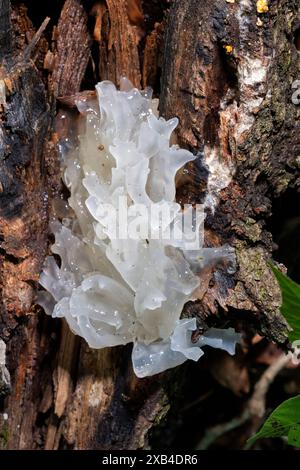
71	49
234	106
119	42
74	397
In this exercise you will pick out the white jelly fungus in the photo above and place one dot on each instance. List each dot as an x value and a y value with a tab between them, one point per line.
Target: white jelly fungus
112	290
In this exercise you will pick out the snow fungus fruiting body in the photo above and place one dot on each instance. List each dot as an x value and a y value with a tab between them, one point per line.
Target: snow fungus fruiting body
114	290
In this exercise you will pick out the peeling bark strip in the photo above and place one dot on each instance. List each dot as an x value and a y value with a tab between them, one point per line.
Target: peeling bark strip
72	50
227	72
119	32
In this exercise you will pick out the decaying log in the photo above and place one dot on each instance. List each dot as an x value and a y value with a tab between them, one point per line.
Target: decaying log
226	72
231	89
25	125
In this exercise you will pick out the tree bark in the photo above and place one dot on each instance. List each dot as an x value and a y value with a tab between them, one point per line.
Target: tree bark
226	70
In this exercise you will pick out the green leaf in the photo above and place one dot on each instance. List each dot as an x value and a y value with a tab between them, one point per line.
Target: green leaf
294	436
284	421
290	307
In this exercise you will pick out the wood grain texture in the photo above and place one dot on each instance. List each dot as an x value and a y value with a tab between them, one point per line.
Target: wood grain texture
119	55
24	133
71	49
